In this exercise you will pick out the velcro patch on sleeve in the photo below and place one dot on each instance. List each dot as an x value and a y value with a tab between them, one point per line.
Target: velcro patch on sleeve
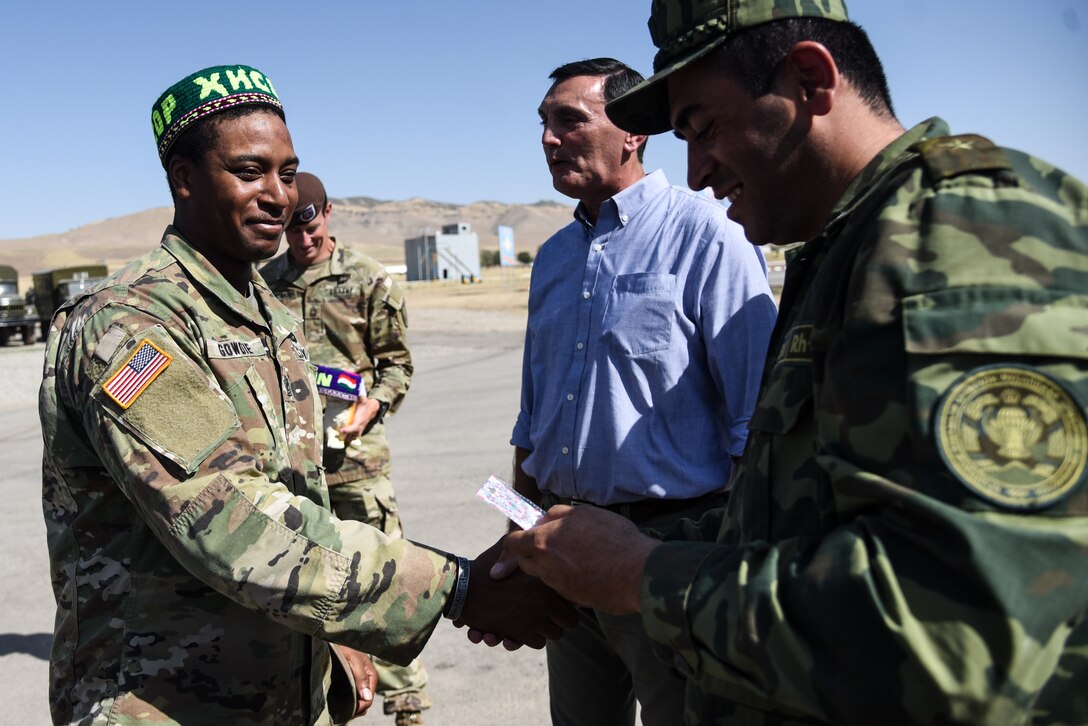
137	373
177	409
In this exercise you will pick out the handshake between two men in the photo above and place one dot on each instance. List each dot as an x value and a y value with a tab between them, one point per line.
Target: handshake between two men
583	555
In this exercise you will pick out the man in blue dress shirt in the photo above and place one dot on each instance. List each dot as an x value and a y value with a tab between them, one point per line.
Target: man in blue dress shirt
649	317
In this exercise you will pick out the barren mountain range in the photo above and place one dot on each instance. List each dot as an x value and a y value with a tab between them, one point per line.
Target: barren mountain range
377	227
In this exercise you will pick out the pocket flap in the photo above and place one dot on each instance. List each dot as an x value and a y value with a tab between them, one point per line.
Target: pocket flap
645	282
997	320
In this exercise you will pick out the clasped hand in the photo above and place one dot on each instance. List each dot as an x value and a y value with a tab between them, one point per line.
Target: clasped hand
518	610
585	554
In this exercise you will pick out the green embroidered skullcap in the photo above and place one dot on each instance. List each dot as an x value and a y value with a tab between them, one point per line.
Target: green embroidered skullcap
686	30
203	93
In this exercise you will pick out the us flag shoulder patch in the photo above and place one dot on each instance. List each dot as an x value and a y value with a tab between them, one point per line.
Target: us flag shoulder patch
142	367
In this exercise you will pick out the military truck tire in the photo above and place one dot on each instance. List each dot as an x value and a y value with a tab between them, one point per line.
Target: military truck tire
5	333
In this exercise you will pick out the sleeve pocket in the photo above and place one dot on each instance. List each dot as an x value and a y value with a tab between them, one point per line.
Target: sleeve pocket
996	321
182	414
949	332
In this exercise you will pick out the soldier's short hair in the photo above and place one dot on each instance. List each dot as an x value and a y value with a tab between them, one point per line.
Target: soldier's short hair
754	55
202	136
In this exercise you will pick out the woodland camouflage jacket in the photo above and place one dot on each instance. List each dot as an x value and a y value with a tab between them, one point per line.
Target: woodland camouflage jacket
908	538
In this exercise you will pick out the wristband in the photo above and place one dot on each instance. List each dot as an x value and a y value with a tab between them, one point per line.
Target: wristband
379	417
460	592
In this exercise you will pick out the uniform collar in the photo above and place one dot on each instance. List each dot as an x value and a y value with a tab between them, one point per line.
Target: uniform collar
332	266
212	281
889	159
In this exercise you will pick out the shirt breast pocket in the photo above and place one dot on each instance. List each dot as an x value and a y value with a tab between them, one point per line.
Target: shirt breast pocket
639	315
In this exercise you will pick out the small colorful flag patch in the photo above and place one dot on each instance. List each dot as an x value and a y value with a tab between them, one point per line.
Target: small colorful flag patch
339	383
142	367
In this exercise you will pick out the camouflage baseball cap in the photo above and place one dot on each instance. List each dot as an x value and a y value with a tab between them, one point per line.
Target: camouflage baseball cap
686	30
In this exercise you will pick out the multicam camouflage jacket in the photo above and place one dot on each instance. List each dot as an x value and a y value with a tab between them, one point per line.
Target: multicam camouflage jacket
194	560
354	318
908	539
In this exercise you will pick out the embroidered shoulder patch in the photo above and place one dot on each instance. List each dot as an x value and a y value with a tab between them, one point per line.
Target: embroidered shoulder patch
138	372
1013	435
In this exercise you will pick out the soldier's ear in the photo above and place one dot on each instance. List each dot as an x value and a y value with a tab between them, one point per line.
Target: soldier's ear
811	77
180	171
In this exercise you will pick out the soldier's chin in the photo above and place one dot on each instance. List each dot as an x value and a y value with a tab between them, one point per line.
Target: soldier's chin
262	249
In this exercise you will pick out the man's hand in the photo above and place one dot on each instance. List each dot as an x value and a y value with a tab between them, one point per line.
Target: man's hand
365	675
365	411
587	554
519	609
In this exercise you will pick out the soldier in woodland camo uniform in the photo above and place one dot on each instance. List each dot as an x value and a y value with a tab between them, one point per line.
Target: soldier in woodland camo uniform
354	318
196	566
907	541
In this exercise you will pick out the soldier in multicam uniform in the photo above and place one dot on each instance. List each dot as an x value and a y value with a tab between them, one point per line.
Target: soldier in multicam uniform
354	318
907	538
197	569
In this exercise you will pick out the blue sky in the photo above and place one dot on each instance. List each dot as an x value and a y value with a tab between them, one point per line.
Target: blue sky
438	100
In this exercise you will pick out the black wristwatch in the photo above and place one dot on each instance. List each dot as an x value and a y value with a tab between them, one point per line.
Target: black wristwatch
378	417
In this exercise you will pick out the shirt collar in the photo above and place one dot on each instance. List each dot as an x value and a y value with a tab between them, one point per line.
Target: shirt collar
623	206
336	259
313	273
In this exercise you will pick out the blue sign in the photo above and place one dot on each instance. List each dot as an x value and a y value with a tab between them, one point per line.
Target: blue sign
507	256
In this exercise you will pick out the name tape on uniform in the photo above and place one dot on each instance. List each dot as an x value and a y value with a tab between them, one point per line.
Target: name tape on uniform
254	348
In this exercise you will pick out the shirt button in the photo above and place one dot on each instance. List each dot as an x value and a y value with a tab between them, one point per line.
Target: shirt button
566	450
623	218
580	346
586	294
598	247
570	396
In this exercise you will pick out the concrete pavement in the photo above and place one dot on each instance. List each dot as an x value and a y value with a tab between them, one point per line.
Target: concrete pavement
451	433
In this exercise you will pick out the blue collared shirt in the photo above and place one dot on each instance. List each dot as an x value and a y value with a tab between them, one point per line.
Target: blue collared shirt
644	348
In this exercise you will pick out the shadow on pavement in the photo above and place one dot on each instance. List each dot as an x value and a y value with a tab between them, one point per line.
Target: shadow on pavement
35	644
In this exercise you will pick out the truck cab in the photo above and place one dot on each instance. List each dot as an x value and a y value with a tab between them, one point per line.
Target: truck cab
17	315
52	288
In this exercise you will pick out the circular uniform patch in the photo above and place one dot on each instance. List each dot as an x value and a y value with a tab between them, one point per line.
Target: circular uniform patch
1013	435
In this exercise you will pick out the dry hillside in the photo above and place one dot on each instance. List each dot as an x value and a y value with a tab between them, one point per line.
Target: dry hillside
378	227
